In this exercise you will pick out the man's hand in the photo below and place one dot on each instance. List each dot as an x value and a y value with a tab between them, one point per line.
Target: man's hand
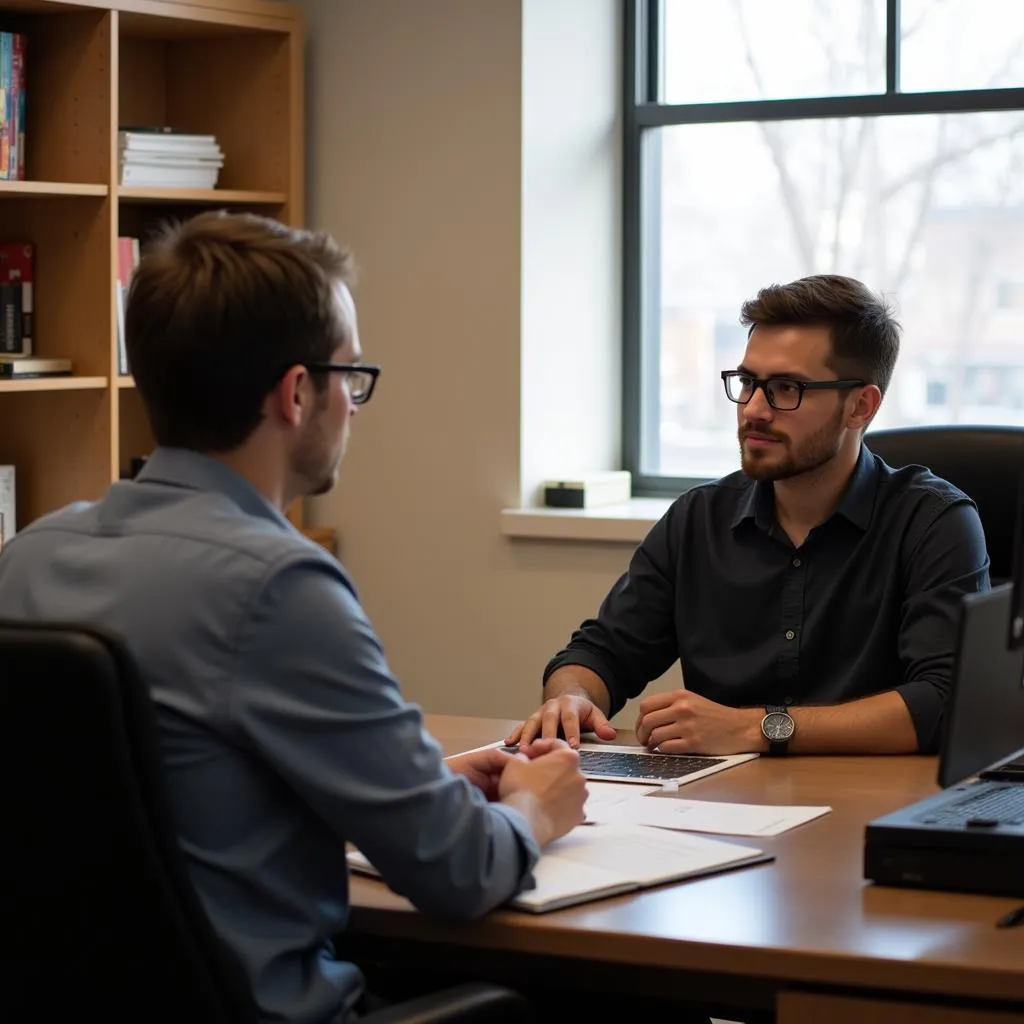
547	788
483	768
572	713
681	722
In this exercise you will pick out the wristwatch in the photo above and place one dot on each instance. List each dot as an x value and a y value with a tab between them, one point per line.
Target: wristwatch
777	727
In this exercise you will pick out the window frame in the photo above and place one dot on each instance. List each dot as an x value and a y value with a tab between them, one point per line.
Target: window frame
643	114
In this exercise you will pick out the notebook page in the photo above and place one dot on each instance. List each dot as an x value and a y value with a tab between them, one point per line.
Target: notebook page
637	853
561	881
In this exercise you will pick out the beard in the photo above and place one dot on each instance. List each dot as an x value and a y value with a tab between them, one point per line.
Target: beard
316	460
782	461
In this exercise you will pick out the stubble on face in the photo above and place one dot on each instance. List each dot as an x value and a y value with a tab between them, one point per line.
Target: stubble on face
317	457
784	460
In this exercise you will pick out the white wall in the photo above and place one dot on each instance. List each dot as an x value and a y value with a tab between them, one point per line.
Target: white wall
571	230
477	183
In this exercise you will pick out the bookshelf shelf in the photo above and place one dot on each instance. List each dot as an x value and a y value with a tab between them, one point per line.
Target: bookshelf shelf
54	384
201	196
228	68
35	189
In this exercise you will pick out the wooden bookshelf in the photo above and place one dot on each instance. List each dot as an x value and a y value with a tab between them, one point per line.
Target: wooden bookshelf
232	68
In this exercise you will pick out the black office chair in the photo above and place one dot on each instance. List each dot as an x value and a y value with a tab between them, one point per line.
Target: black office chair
985	462
98	913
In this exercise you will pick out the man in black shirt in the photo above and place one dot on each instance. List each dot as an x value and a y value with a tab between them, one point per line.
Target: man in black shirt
812	597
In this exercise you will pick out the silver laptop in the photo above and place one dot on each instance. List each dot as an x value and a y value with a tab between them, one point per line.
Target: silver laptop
608	762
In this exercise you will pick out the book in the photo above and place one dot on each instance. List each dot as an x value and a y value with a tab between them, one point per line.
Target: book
6	96
22	367
128	255
164	158
12	105
18	106
16	306
8	522
594	862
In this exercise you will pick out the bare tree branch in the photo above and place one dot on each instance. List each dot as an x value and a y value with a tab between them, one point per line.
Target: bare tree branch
932	7
1008	61
849	162
776	147
947	156
924	205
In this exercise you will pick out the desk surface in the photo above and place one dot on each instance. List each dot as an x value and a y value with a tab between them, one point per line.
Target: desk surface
807	917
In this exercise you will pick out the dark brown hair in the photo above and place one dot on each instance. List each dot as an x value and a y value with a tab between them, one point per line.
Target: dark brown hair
865	335
219	308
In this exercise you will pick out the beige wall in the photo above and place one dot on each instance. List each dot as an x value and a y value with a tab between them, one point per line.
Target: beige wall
417	162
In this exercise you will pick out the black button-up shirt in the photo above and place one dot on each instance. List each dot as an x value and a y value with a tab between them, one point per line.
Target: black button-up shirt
868	603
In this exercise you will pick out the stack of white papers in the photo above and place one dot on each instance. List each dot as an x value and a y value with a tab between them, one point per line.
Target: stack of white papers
619	804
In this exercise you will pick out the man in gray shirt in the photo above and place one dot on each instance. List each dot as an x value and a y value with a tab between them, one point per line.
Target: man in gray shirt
284	733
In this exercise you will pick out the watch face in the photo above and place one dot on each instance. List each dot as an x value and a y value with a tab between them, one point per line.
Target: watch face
777	726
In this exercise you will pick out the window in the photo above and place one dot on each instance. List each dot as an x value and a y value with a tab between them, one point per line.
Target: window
770	139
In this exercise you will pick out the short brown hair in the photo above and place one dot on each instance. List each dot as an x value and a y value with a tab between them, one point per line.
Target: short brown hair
219	307
865	335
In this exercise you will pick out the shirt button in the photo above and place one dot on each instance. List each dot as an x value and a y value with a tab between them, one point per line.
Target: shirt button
796	563
790	634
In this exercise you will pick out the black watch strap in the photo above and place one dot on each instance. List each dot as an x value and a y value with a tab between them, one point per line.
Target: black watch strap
778	748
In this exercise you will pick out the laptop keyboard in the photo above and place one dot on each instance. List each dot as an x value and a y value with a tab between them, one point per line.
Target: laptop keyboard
624	765
993	805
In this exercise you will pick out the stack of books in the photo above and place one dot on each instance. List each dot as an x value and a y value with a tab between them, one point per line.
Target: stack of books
161	157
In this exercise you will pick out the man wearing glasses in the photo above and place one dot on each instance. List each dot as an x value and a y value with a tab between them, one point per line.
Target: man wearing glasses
811	598
284	734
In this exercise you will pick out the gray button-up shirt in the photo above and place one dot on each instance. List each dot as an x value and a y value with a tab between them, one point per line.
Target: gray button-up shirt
284	733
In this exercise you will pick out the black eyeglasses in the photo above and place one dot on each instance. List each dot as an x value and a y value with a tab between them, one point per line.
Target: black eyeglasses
782	393
360	378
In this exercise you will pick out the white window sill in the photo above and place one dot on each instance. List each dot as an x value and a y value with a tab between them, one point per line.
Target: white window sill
627	523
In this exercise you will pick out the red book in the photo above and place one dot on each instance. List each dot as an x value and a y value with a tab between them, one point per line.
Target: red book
16	287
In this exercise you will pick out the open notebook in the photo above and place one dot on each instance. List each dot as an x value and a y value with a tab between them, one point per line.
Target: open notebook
593	862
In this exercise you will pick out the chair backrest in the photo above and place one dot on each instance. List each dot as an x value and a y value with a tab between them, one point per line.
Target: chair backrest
99	914
985	462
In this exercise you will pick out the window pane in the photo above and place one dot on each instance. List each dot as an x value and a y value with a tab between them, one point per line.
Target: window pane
772	49
962	44
926	209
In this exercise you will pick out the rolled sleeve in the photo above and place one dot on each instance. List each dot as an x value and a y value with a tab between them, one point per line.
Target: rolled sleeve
318	702
949	561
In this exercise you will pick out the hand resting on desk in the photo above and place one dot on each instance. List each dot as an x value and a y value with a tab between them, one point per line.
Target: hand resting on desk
543	782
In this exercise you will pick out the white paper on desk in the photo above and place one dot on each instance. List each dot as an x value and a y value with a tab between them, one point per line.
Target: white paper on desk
606	796
705	816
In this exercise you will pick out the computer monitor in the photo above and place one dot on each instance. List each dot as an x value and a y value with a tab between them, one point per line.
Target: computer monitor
1015	639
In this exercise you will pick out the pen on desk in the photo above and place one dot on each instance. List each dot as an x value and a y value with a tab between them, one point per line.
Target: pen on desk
1012	919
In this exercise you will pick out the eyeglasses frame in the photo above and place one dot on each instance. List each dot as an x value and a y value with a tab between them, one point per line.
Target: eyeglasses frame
371	368
761	383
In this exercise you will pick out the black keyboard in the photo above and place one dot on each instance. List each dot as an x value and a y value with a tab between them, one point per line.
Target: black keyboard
991	805
624	765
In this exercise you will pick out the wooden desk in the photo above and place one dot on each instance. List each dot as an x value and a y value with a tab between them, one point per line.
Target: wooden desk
804	935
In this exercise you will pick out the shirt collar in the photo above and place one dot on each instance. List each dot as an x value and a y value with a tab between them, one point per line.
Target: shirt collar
180	467
858	501
857	504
